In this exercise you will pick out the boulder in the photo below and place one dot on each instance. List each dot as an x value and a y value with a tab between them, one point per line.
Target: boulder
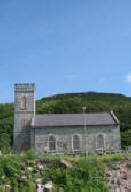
48	187
108	174
39	181
7	188
39	166
2	177
119	181
23	166
66	163
129	165
124	175
30	168
22	178
39	188
115	166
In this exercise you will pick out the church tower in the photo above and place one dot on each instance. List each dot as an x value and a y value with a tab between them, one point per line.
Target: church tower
24	111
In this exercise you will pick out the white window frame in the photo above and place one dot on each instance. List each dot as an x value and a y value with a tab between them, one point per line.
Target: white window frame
80	142
104	141
52	135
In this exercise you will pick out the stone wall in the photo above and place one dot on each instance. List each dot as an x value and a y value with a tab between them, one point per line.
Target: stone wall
64	138
21	133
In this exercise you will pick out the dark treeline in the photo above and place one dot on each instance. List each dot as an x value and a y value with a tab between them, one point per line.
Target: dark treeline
71	103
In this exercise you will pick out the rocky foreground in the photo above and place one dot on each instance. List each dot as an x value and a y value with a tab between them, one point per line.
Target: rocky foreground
118	176
30	173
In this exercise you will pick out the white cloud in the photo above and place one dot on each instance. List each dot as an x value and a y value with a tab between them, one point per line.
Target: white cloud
128	78
71	76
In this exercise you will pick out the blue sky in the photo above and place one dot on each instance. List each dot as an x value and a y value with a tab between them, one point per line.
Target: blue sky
65	46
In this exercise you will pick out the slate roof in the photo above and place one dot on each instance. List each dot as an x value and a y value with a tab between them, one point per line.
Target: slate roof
55	120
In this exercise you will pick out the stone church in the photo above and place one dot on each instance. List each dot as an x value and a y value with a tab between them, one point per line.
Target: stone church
61	133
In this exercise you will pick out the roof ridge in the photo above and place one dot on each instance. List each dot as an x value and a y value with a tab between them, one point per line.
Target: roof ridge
105	112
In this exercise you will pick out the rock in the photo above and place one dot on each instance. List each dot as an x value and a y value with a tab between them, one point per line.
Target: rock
115	166
37	173
39	181
23	166
119	181
3	177
115	181
39	166
66	163
129	165
112	182
2	187
15	175
23	178
7	181
50	182
124	183
124	175
7	188
40	188
30	168
118	189
108	174
22	172
48	187
108	180
122	189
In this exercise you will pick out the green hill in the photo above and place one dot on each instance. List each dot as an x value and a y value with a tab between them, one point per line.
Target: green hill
71	103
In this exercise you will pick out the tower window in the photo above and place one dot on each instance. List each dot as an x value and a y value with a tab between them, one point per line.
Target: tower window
23	103
25	122
52	143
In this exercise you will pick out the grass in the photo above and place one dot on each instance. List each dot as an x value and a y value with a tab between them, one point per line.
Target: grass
86	174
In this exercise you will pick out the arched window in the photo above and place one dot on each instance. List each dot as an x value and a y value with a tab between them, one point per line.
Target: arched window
23	103
25	122
100	142
76	142
52	143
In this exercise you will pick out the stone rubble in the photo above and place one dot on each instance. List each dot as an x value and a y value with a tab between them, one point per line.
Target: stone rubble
118	177
39	181
48	187
66	163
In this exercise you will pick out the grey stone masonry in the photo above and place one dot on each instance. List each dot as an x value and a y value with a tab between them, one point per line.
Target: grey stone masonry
64	138
61	133
23	114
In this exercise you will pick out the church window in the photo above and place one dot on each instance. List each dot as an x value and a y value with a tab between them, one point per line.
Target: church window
100	142
23	103
76	142
52	143
25	122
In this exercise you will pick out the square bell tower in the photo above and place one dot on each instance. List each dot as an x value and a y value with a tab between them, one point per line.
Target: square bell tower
24	111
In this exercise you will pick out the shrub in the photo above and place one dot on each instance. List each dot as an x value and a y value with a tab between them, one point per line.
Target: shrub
11	166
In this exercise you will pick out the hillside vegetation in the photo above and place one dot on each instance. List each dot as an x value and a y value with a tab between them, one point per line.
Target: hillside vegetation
21	173
71	103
